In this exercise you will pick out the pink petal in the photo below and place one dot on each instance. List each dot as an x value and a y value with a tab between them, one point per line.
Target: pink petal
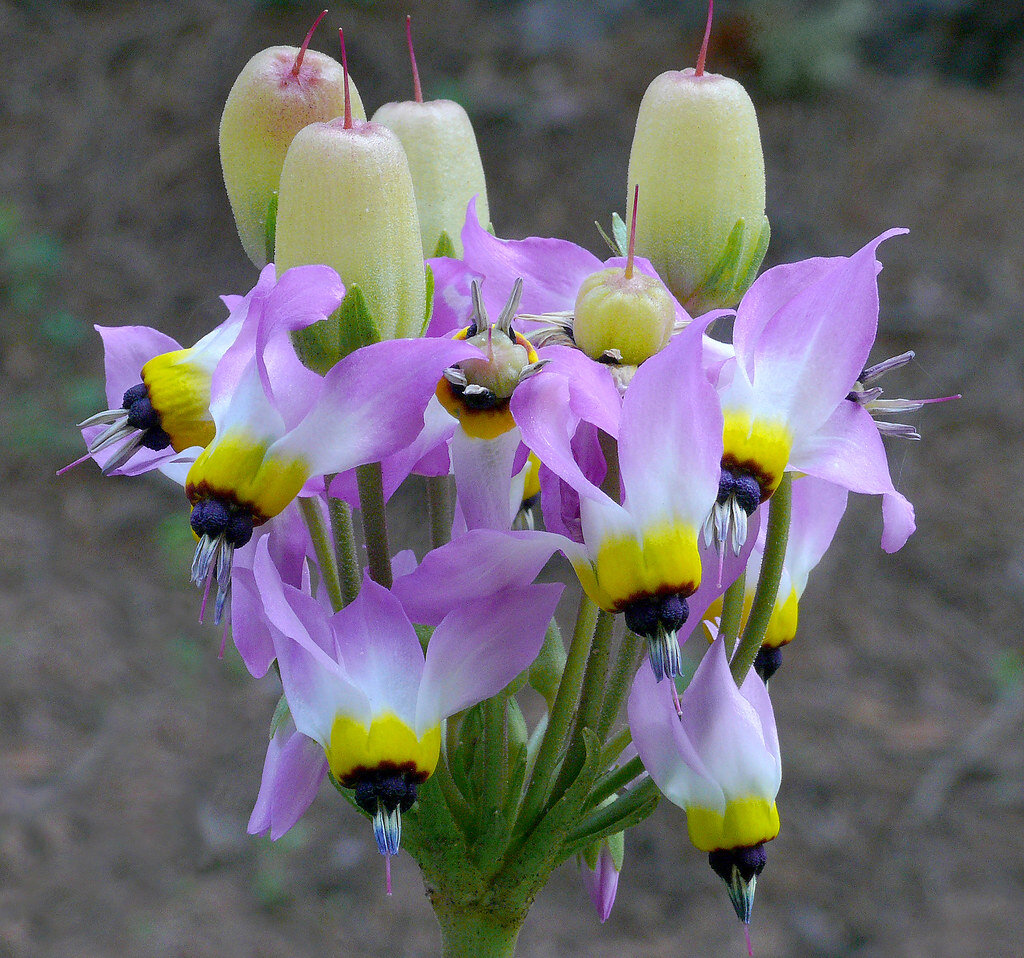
551	269
481	646
295	767
849	452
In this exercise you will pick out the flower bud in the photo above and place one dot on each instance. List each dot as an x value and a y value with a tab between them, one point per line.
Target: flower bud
346	200
697	158
268	104
445	163
633	315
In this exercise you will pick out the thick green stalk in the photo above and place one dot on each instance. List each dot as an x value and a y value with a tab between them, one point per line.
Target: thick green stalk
323	547
476	932
625	812
561	714
375	522
345	548
768	582
439	509
732	612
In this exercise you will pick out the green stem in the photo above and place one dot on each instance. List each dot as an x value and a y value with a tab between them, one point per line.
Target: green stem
630	658
495	758
324	548
560	716
614	780
615	746
475	932
623	813
732	612
375	522
457	804
768	582
345	548
591	700
439	509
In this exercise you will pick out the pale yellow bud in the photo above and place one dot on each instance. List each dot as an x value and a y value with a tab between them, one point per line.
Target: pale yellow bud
445	163
346	199
697	158
268	104
632	314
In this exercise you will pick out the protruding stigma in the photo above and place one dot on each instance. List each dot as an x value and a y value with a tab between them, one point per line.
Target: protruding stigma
416	89
632	234
305	44
344	70
699	71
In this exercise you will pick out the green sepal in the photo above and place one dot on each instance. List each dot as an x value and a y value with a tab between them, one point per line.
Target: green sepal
547	668
617	846
732	274
322	345
281	715
618	242
429	311
621	234
445	246
270	227
423	633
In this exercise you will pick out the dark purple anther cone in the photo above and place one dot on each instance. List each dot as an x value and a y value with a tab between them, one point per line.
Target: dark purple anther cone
239	529
747	491
210	517
643	615
749	861
767	662
673	612
726	485
133	395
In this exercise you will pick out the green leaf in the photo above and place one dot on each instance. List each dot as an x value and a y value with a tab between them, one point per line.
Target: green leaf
429	311
281	715
445	246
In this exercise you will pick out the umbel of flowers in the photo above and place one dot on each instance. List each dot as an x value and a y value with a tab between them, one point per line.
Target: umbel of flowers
532	384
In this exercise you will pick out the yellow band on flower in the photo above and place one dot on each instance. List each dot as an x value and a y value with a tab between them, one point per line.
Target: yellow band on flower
747	821
781	625
664	561
355	749
237	468
760	448
180	394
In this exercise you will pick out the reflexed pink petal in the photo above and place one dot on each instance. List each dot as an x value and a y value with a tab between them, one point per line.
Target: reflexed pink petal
818	507
848	451
542	410
811	351
372	403
476	564
551	269
379	650
453	299
727	731
294	769
670	440
481	646
663	745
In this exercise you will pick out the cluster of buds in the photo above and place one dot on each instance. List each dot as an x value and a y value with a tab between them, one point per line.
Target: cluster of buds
671	467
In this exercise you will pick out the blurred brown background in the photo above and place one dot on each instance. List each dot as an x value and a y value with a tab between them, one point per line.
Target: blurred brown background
130	757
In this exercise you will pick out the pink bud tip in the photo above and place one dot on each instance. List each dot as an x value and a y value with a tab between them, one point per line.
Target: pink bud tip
699	71
632	234
344	69
305	44
417	90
